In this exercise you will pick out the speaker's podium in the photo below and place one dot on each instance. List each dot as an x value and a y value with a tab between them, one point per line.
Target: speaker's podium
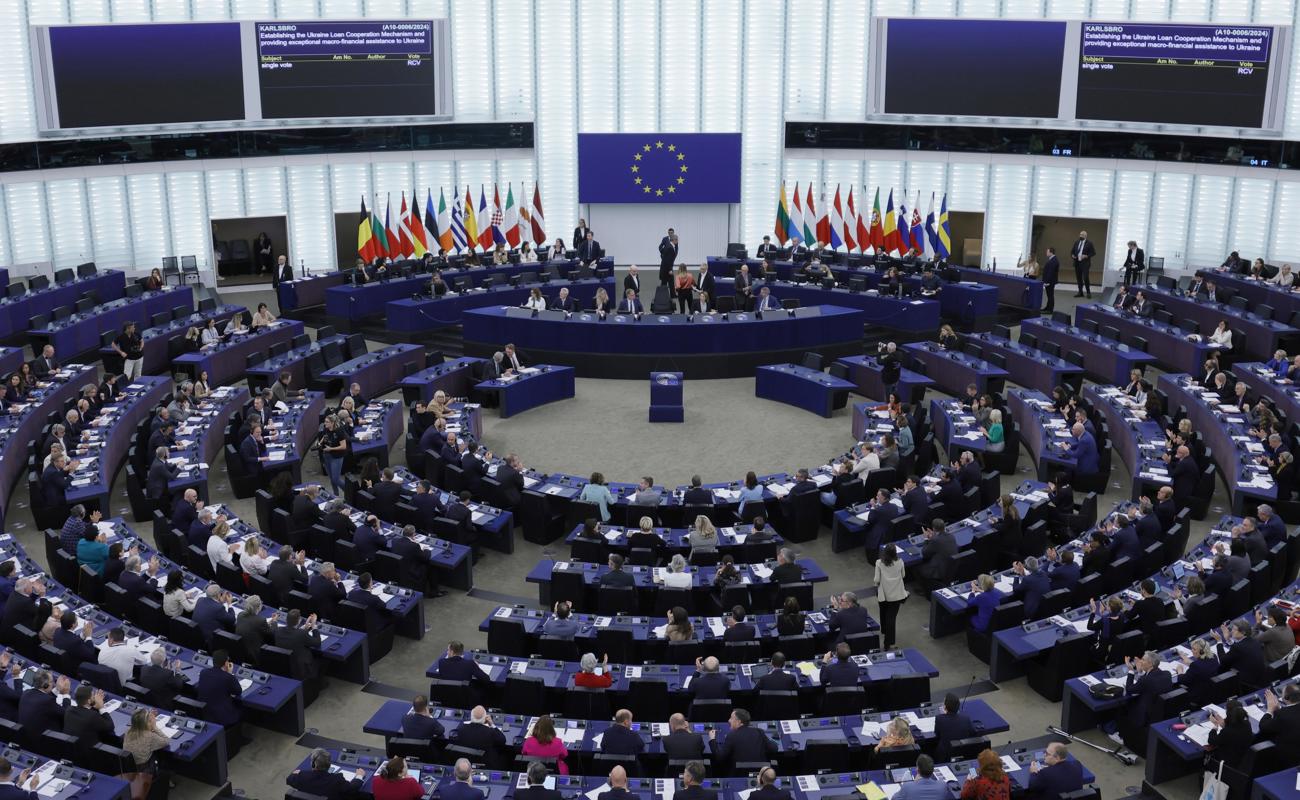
666	397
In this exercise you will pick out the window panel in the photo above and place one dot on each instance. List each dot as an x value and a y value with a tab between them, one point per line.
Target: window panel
1054	191
1252	217
150	228
805	70
892	8
513	172
478	175
936	8
514	32
556	144
1093	198
340	9
1208	239
5	256
263	192
349	183
88	11
978	9
927	177
17	103
1067	9
846	72
392	178
1284	247
1150	9
967	186
384	9
883	175
66	204
470	33
1274	12
1006	226
297	9
722	38
225	193
311	218
170	10
427	9
436	176
109	224
252	9
597	66
47	12
1022	9
211	9
764	24
1110	9
1132	212
1173	200
191	232
28	224
130	10
679	98
1231	10
1189	10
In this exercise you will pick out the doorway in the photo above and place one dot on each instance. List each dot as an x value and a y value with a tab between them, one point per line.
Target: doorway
1062	233
236	253
966	232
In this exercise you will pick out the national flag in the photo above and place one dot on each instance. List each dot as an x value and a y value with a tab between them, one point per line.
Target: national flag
511	218
419	236
498	219
931	233
782	218
824	223
877	227
810	220
904	233
862	232
851	223
433	229
443	222
365	236
378	232
837	222
918	232
890	223
394	248
484	220
796	216
459	236
945	236
404	245
471	224
536	218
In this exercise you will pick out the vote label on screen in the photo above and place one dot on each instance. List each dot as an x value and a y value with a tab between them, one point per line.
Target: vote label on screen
659	168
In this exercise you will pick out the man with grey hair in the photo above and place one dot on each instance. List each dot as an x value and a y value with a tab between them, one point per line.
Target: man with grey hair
709	683
495	368
20	608
253	628
72	529
320	781
1270	525
926	786
1057	775
478	733
1145	683
210	613
787	569
326	590
132	579
1030	585
462	785
848	618
288	571
160	475
164	682
537	790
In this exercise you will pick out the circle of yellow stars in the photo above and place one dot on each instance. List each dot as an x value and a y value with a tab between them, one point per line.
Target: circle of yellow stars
671	188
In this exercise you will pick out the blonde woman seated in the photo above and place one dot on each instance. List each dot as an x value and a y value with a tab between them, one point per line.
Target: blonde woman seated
1285	277
896	734
703	537
677	577
499	255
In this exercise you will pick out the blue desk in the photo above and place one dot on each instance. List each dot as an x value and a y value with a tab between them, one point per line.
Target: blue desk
80	333
1263	383
309	291
82	783
290	434
703	344
494	527
226	362
157	340
1284	302
1278	786
1106	360
1263	336
434	313
809	389
756	575
908	316
547	384
954	371
16	312
11	359
294	362
378	425
455	377
1013	290
955	429
200	438
377	372
865	372
1228	435
1168	343
110	438
1042	431
17	430
731	540
1140	442
1029	366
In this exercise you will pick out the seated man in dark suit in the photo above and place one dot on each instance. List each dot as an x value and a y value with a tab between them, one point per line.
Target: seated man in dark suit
1031	584
252	450
288	571
697	495
160	475
951	495
336	519
219	689
369	538
537	790
303	512
767	788
133	580
462	785
55	480
1146	682
412	553
950	726
388	493
321	782
377	614
163	681
848	617
479	733
185	511
1147	612
620	739
419	722
616	576
78	646
1057	776
326	589
85	719
1062	571
693	783
838	668
38	710
778	680
708	682
787	569
1281	723
299	637
210	613
425	502
682	743
454	666
938	554
1246	655
737	629
510	477
744	744
17	786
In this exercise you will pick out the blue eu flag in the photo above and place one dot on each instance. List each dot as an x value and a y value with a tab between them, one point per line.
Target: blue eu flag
659	168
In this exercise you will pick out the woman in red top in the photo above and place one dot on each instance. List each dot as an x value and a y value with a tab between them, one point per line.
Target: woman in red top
545	744
588	679
392	783
990	783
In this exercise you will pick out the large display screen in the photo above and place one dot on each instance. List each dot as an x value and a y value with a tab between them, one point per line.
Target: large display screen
146	74
346	69
989	68
240	73
1189	74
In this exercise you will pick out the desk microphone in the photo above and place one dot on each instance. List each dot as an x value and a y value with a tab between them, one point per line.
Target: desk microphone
969	687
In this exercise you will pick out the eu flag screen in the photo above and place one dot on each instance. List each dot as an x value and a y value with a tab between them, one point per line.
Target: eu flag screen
659	168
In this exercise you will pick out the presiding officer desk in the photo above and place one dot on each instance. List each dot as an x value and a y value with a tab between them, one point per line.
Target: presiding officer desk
80	332
547	573
500	785
1107	360
583	737
157	340
109	438
410	315
22	426
200	438
17	310
699	345
269	701
226	361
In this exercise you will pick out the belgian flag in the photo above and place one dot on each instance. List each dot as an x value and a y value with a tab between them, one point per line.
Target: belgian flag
365	235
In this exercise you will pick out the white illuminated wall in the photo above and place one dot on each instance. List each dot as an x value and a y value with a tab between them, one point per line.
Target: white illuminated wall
635	65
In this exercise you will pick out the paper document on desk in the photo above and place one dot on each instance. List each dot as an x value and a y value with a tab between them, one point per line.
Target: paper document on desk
871	791
632	671
790	726
245	684
923	724
276	455
660	630
518	667
811	671
598	791
503	613
1199	733
806	783
821	479
716	627
945	774
872	730
780	489
659	729
572	736
487	670
167	730
665	788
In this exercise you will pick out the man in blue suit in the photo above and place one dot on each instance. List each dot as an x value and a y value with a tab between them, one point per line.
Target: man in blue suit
915	501
38	710
1271	526
426	505
561	624
453	666
21	788
839	669
1057	776
926	786
321	782
1062	572
1146	682
419	722
252	451
882	513
461	787
377	615
325	589
1084	450
951	726
620	739
219	689
1124	539
55	480
369	539
210	613
1030	586
629	304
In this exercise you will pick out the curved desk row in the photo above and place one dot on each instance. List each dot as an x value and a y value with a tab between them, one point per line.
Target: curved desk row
906	316
1026	365
16	312
226	362
1262	335
110	439
377	426
1285	302
80	333
1167	343
953	371
377	372
1042	431
1106	360
1138	440
701	345
200	438
157	340
293	362
19	429
455	378
410	315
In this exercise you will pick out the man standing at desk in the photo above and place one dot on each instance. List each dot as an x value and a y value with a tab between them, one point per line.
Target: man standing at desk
1134	262
667	257
589	251
745	744
744	289
632	280
767	249
1081	253
1051	276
